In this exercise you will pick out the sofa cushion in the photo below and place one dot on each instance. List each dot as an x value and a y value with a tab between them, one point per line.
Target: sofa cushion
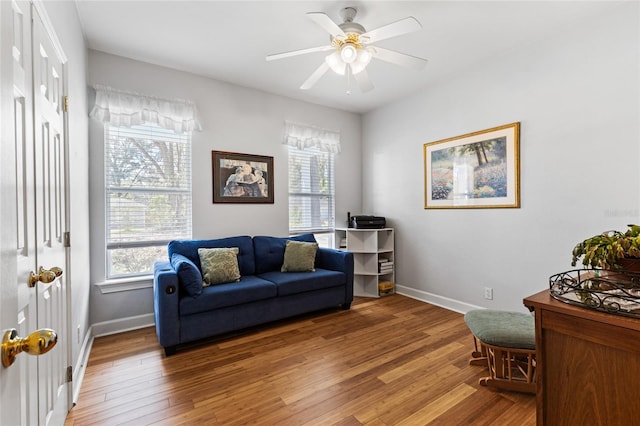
219	265
269	251
300	282
248	289
299	256
189	275
189	249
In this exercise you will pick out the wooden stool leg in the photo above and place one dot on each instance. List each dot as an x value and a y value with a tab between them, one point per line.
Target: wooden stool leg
479	355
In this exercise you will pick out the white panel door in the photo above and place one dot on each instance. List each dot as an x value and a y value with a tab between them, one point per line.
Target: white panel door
50	203
10	380
34	390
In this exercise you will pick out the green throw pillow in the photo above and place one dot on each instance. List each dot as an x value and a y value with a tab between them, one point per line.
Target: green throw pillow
299	256
219	265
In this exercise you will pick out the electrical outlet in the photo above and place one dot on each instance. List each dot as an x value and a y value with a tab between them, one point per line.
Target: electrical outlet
488	293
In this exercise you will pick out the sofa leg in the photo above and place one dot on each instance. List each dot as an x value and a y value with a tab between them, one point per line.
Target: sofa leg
346	306
170	350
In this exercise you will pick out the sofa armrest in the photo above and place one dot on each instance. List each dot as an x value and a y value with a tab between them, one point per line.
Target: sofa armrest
338	260
165	302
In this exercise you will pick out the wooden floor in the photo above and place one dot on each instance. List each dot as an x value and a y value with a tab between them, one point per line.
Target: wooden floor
388	361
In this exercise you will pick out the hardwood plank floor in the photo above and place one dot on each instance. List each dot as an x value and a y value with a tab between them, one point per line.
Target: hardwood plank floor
387	361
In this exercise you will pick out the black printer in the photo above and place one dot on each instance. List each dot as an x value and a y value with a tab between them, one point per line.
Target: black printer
367	222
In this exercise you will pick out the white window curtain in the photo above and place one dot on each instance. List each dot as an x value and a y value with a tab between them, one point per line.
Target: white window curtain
122	108
304	136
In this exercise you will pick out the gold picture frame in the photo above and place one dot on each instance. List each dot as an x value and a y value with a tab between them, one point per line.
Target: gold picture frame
475	170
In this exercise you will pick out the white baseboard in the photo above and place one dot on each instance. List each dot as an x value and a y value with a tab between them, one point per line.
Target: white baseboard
81	366
121	325
434	299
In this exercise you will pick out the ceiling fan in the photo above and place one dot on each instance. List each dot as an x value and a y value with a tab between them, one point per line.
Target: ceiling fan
353	50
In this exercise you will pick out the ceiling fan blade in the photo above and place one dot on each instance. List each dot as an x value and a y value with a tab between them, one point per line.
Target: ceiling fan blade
363	80
298	52
325	22
394	29
313	78
398	58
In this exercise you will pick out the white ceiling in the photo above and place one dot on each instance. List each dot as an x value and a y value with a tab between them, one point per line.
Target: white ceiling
228	40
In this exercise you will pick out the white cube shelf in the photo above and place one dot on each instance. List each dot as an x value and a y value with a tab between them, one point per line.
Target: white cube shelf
373	259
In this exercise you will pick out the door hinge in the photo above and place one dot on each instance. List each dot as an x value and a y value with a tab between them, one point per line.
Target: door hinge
66	104
67	239
69	374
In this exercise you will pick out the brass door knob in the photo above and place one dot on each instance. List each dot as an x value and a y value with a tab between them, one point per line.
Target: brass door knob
56	270
37	343
44	275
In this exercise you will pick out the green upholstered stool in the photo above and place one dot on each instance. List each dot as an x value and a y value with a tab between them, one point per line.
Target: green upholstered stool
507	347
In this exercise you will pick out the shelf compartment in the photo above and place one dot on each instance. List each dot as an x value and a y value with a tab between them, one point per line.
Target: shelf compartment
358	241
365	285
365	263
385	240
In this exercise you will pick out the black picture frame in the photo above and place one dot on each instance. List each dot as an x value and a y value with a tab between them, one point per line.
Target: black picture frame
242	178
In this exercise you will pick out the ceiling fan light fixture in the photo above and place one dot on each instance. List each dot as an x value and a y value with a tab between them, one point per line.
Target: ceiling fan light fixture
362	60
348	53
336	63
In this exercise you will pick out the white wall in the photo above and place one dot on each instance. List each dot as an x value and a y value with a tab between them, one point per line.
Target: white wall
64	18
235	119
576	95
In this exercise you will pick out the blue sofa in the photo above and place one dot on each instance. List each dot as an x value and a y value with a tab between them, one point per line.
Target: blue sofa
185	313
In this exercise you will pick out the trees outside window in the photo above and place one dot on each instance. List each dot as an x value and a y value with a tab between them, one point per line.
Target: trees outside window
147	196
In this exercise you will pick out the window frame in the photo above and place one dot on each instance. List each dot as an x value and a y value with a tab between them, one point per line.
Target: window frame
307	153
148	132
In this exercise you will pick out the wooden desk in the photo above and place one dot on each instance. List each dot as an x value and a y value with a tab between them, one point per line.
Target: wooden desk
588	364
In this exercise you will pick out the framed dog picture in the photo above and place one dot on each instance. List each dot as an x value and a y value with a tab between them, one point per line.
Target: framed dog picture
242	178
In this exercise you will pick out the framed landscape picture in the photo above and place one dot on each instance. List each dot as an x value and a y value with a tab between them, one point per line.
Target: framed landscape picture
242	178
476	170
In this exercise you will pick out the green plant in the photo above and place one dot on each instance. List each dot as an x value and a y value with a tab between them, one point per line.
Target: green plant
607	249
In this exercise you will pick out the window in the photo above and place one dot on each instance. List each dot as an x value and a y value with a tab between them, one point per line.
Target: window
147	195
311	192
312	153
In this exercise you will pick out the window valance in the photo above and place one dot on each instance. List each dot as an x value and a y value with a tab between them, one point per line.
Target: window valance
306	136
122	108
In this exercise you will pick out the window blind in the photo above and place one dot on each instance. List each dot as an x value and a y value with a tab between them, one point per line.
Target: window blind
311	190
148	195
